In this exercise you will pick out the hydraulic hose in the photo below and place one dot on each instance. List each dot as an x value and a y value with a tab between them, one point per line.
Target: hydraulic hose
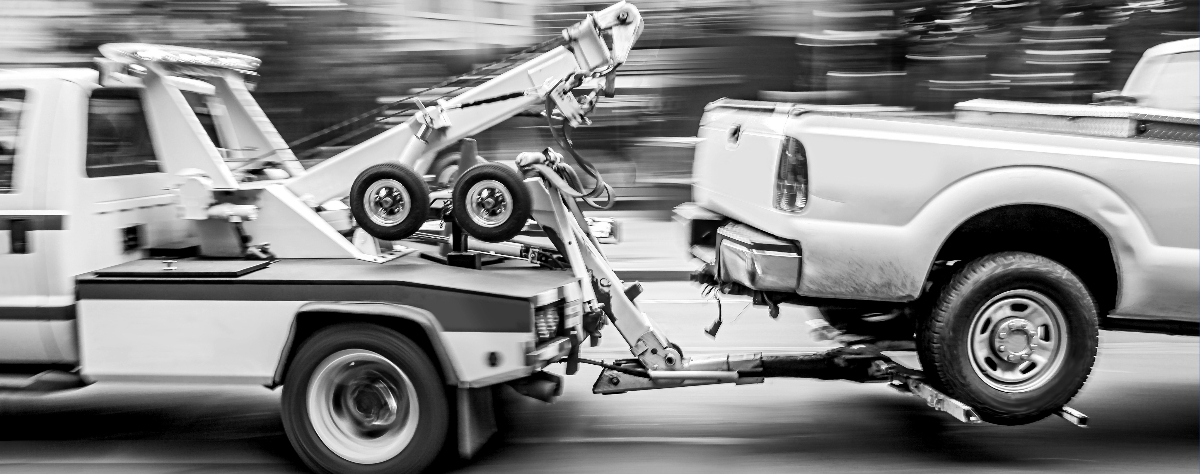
575	189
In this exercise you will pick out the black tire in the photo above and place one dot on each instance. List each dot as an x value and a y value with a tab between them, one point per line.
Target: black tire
431	422
383	215
508	195
962	344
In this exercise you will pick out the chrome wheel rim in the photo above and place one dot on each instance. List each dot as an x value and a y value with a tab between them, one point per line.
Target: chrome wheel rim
362	407
386	202
1018	341
489	203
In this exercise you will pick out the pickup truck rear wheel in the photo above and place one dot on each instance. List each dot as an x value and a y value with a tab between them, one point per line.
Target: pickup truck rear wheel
389	201
363	399
1013	335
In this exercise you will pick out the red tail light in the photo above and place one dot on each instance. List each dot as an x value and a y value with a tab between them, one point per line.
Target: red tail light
791	180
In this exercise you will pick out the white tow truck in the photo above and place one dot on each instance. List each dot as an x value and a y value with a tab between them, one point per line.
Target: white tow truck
154	227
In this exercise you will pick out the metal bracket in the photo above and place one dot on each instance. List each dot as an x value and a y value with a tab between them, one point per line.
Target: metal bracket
433	118
737	369
614	381
1074	416
906	381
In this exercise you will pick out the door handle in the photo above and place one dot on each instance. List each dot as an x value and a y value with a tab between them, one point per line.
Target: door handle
18	235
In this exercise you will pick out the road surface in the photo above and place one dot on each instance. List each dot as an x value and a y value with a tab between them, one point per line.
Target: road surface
1143	400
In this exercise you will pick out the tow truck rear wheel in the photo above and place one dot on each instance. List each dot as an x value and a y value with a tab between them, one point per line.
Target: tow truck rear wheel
359	398
491	203
1013	335
389	201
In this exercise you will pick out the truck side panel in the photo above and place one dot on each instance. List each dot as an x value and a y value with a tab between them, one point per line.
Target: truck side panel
36	317
235	330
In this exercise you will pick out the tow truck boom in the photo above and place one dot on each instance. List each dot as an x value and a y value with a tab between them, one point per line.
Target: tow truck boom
583	55
282	212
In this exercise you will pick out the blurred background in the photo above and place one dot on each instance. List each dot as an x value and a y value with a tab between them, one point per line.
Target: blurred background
334	71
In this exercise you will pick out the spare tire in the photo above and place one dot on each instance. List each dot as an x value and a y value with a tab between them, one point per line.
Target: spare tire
491	203
389	201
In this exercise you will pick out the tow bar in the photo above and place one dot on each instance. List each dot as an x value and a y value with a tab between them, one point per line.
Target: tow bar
858	363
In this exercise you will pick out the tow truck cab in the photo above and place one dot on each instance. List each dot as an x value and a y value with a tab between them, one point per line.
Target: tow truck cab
99	279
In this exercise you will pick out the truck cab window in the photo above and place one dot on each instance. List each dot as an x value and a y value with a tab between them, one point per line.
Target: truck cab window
118	139
1175	87
11	102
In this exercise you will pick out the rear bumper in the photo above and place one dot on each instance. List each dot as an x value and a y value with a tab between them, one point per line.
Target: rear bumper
738	253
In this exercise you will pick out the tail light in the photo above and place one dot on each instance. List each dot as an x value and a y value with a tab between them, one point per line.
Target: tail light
791	180
547	320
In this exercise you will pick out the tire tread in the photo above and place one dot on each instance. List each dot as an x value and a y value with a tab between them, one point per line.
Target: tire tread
932	331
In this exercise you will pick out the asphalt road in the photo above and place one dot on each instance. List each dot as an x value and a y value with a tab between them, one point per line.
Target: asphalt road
1143	400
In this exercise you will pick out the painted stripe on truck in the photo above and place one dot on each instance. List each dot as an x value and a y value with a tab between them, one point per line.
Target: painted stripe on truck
37	313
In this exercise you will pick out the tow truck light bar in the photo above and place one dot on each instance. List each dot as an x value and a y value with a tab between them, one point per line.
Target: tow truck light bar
136	53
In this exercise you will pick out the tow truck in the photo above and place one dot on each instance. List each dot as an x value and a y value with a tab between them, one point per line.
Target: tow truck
157	229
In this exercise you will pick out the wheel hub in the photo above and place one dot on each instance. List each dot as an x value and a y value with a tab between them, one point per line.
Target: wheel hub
1014	339
386	202
373	402
488	203
362	406
491	202
1017	341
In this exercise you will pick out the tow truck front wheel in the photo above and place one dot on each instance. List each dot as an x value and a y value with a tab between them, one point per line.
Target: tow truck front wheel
389	201
1013	335
363	399
491	203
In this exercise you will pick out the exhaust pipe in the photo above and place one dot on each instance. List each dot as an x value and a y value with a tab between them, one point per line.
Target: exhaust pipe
540	385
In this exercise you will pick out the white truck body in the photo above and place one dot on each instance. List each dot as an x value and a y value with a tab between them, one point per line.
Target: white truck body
887	193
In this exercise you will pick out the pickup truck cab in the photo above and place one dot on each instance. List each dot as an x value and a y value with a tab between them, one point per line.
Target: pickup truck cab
380	361
999	240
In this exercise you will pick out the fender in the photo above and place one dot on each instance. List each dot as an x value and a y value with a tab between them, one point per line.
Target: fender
1146	270
425	319
891	262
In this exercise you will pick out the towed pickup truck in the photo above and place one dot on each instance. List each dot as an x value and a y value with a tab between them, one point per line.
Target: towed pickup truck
996	243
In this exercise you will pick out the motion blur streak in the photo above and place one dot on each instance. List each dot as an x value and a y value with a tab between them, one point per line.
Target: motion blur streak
327	60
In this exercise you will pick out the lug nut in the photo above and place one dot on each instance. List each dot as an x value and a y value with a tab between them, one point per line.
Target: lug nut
1002	349
1002	335
1024	356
